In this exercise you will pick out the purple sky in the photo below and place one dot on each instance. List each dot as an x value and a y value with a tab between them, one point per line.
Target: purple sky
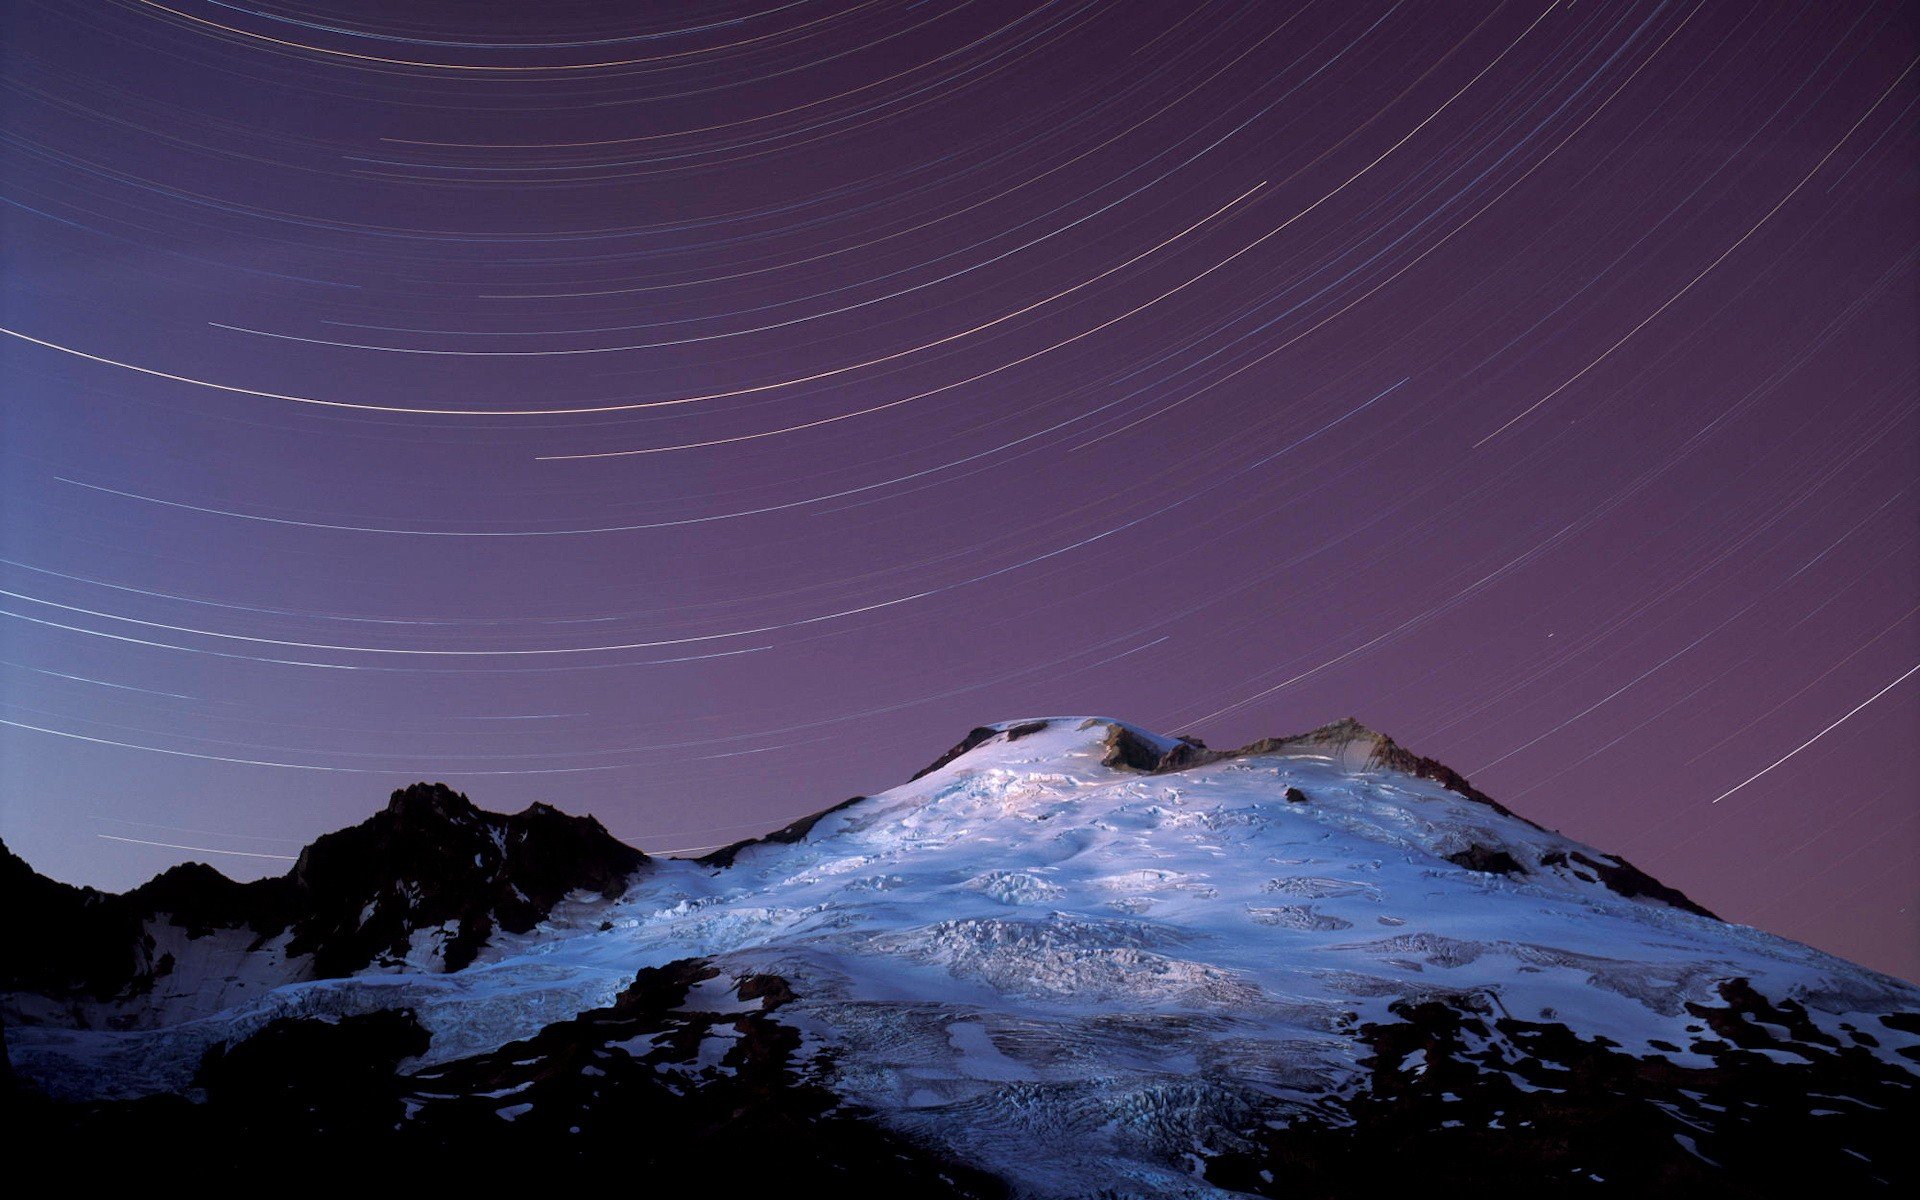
1535	382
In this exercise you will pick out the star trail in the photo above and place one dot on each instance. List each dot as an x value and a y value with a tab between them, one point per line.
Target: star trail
696	414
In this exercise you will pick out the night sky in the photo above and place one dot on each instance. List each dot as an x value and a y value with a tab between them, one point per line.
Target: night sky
698	414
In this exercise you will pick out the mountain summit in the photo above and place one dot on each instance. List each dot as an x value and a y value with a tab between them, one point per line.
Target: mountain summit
421	885
1071	958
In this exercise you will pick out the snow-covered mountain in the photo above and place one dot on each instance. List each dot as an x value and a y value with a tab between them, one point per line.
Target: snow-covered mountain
1071	958
423	885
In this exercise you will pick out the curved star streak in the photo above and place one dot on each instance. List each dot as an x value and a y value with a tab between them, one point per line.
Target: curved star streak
694	416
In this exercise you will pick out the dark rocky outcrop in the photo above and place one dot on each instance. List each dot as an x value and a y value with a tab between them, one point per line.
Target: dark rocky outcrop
786	835
632	1091
430	858
76	940
1128	751
352	899
326	1076
1462	1094
975	737
1378	752
1623	877
81	942
1487	861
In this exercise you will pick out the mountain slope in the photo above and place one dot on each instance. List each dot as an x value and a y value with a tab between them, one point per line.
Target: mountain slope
424	884
1081	959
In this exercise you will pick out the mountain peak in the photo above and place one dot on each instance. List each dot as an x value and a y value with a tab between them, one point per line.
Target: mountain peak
1345	727
1357	749
430	802
426	883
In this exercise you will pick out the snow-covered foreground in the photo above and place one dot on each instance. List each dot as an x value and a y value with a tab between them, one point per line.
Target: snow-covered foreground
1077	975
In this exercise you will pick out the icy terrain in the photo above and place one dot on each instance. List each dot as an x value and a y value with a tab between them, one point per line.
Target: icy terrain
1037	944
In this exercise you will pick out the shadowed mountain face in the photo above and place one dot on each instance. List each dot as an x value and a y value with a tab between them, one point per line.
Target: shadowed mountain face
1070	958
423	884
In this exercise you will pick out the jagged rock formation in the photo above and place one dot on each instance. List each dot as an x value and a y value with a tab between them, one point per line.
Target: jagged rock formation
422	884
